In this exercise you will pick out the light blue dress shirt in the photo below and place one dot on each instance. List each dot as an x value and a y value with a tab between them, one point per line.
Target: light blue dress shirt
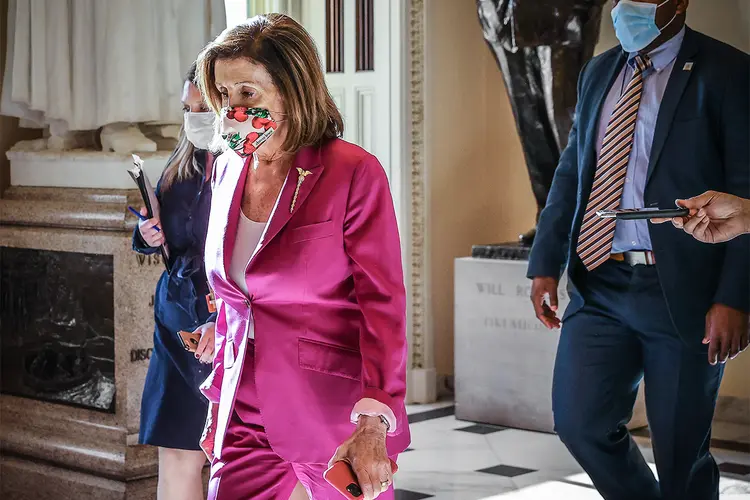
633	235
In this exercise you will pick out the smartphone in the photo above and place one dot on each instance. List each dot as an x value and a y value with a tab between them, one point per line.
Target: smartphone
341	476
643	213
189	340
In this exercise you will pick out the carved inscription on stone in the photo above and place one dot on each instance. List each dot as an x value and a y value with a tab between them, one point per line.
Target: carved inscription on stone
514	312
140	354
490	288
148	260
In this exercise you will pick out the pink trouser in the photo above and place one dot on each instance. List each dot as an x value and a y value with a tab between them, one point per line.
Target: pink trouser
249	468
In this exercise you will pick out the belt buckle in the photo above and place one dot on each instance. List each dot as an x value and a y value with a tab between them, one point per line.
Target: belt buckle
636	258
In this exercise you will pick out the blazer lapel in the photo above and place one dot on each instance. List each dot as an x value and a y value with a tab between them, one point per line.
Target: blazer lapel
308	159
237	178
600	93
678	81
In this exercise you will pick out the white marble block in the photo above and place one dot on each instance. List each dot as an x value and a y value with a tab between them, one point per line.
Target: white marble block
81	168
504	357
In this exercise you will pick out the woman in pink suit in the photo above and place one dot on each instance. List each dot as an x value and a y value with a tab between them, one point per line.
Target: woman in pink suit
303	255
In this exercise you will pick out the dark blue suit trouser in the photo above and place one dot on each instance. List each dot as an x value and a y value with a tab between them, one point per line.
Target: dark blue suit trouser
623	334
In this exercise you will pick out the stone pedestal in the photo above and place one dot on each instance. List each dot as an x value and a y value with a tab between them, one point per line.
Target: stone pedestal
76	330
504	357
80	168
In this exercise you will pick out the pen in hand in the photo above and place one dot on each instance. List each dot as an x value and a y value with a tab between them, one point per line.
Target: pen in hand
141	217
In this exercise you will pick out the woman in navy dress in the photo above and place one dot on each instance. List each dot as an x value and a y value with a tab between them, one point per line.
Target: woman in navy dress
173	410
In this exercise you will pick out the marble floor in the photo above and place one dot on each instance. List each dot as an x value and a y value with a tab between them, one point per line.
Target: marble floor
454	460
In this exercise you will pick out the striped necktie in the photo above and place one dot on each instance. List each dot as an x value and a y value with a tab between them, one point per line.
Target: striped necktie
597	234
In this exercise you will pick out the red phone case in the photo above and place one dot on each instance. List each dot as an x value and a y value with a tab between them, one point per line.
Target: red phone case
341	476
189	340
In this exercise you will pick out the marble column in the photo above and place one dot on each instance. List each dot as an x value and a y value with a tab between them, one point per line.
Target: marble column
422	376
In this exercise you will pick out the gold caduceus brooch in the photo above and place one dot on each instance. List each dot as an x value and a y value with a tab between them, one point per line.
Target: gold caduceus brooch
300	179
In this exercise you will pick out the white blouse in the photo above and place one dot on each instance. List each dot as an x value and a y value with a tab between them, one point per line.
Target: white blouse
249	234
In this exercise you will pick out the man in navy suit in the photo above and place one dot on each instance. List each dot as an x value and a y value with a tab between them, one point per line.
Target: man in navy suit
661	117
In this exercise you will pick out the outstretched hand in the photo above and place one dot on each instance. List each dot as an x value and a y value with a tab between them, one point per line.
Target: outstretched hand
714	217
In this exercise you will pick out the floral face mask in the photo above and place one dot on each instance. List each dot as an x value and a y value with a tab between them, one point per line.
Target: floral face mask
246	129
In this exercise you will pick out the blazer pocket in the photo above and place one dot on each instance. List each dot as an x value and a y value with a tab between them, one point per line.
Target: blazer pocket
311	231
330	359
687	116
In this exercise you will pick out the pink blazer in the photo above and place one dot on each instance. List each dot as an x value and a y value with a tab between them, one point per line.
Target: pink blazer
327	298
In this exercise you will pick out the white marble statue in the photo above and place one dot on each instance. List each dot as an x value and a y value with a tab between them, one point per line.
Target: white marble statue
78	65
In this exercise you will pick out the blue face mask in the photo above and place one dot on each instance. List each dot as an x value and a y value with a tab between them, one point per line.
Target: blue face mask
635	24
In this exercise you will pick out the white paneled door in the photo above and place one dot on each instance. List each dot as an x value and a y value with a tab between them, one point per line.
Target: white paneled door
353	39
361	45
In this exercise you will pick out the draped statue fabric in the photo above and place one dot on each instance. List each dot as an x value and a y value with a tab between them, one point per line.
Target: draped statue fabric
82	64
541	46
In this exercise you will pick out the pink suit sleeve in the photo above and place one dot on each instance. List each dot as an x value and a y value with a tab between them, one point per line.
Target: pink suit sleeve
372	242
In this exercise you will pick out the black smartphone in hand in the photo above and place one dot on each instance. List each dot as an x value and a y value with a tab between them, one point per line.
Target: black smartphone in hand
643	213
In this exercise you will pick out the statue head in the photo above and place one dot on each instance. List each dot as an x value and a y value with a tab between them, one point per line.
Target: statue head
270	62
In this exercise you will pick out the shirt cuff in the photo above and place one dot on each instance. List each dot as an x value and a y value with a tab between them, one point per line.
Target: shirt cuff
374	408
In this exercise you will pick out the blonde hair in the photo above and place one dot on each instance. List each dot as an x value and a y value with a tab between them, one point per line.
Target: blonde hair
181	164
289	55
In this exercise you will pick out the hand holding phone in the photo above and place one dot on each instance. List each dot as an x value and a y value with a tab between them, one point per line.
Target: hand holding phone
341	476
189	340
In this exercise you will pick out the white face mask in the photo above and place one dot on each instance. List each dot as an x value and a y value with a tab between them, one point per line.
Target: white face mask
635	24
199	128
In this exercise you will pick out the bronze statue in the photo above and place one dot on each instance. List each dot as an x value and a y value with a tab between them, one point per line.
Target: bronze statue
541	46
